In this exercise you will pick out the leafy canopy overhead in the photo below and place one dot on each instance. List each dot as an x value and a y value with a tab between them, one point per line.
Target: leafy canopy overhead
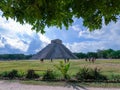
41	13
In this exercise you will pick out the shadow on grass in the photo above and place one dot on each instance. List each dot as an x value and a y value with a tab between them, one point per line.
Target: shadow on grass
75	86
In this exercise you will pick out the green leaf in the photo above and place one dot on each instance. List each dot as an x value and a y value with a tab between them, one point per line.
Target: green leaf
59	13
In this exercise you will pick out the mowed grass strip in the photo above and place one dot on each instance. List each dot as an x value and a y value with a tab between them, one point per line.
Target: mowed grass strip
111	66
78	84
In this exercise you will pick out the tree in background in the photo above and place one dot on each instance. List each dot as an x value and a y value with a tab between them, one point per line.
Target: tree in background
92	54
115	54
81	55
41	13
102	54
14	56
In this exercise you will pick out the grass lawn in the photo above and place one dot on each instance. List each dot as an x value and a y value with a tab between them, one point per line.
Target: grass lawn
63	83
107	67
83	84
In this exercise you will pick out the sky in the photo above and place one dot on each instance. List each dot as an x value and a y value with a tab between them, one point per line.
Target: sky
17	38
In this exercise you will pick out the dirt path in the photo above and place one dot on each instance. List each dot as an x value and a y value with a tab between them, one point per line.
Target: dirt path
4	85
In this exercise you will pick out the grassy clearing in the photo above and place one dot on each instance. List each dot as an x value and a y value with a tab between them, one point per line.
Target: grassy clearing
82	84
108	67
63	83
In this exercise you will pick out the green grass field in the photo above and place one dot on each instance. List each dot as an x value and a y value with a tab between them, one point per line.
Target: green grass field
107	67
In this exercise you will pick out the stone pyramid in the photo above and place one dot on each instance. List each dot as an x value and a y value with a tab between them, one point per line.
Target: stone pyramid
55	50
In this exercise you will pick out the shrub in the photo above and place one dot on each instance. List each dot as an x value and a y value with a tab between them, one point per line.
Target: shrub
49	75
21	74
4	74
63	68
83	74
96	74
31	74
114	77
11	74
90	74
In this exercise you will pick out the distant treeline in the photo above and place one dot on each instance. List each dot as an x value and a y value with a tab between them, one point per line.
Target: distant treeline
103	54
14	56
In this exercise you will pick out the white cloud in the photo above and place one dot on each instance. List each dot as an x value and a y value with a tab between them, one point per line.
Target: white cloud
1	44
14	27
107	37
89	46
45	40
17	43
16	34
76	28
85	46
110	32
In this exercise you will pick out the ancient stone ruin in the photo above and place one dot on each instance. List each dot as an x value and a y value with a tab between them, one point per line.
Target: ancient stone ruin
54	50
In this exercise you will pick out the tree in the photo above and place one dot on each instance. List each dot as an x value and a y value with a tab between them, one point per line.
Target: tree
115	54
81	55
92	54
104	53
41	13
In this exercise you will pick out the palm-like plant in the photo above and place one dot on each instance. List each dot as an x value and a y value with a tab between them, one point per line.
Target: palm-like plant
63	68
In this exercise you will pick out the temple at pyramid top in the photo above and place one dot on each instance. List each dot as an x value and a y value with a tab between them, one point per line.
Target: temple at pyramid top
56	41
55	50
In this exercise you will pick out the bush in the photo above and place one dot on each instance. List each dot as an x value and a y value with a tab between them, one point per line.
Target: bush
49	75
63	68
4	74
21	74
114	77
11	74
31	74
90	74
83	74
96	74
